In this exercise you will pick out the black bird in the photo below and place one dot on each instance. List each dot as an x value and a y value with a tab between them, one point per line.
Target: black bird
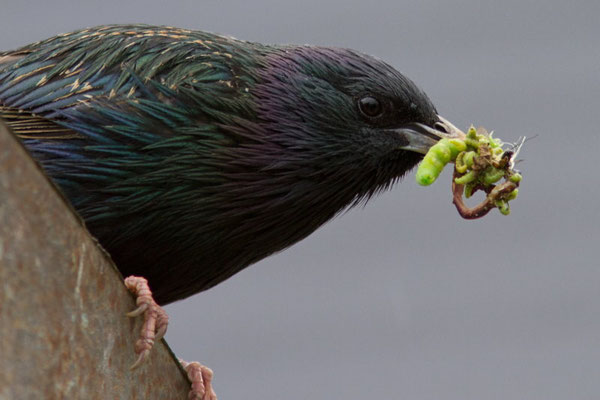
191	156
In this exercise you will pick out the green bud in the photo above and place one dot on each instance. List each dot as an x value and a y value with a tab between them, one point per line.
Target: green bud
469	190
492	175
503	207
516	177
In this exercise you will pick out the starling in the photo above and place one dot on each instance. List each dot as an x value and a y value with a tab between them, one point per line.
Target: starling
191	155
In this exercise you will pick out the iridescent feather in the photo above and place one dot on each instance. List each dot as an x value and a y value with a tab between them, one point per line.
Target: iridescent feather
191	155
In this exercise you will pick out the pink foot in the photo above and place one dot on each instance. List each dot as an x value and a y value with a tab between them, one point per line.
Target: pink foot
156	319
201	378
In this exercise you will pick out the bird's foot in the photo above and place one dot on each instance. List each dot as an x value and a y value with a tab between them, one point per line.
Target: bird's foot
155	318
154	328
201	378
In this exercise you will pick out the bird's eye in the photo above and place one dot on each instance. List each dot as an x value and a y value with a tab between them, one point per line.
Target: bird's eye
370	106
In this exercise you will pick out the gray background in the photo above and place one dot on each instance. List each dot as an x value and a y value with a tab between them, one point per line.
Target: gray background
380	303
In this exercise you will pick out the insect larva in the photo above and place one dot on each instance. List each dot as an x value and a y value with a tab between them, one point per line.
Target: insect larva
437	157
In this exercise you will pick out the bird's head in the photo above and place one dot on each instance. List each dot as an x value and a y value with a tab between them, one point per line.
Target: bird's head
348	115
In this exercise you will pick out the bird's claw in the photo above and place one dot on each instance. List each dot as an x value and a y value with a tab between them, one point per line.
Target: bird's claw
138	311
201	379
140	360
156	319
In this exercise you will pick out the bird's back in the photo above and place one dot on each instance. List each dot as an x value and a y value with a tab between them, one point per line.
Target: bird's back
126	120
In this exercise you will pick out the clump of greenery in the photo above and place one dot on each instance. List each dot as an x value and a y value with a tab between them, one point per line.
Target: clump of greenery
480	162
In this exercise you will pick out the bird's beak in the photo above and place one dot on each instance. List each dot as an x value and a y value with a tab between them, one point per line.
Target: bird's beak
420	137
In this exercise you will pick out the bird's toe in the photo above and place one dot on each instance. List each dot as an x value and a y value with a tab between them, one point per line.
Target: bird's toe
156	319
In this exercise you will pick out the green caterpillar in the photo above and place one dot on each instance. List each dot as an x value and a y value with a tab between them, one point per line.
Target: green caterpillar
440	154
